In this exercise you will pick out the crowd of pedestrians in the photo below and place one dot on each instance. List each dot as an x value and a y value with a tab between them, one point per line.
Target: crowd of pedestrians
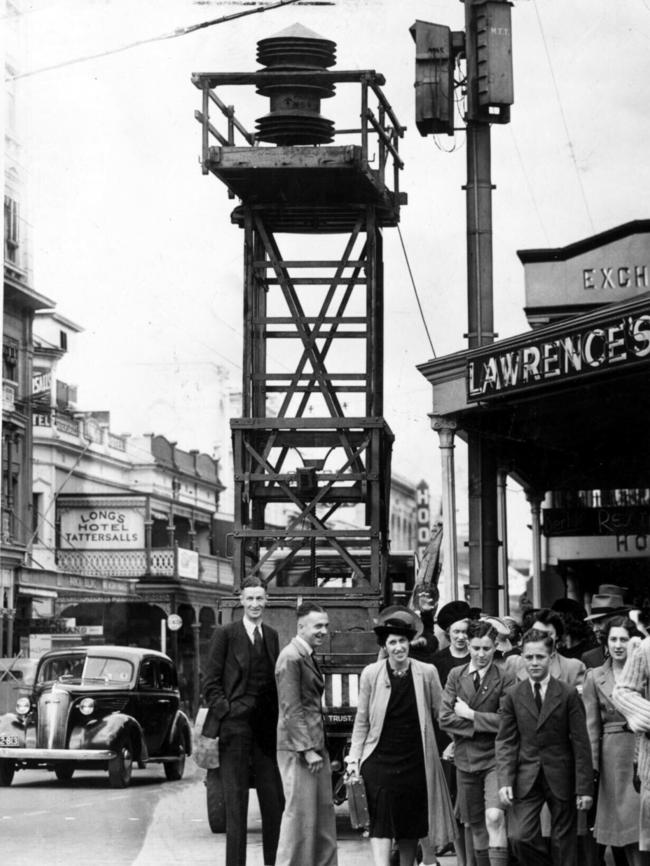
509	743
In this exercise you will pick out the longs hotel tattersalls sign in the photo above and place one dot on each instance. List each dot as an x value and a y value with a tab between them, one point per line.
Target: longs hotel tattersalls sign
620	342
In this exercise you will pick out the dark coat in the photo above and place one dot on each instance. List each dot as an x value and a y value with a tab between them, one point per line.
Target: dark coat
474	740
226	677
554	740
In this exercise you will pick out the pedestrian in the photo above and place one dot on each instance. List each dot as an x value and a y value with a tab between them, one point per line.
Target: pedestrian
612	748
239	689
453	619
308	830
425	645
632	697
470	712
543	756
605	604
394	748
571	671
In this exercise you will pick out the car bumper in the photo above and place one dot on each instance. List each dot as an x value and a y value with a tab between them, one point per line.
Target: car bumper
45	755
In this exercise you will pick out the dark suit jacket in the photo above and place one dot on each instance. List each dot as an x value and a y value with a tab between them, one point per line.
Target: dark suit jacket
593	658
227	671
554	740
300	690
474	740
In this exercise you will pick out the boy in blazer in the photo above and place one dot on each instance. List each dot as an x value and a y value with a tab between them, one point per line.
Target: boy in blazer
543	756
240	691
308	830
470	712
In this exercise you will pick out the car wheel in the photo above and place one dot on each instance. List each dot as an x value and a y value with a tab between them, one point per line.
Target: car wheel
7	769
120	767
215	801
174	769
64	773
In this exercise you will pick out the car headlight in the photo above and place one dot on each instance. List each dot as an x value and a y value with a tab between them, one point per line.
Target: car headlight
23	706
86	706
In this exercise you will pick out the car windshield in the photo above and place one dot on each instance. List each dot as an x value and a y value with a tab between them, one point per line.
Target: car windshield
112	671
61	668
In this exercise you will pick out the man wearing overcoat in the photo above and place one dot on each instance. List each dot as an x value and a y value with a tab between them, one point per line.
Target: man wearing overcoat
239	688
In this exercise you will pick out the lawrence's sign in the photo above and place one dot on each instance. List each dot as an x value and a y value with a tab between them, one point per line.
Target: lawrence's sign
621	342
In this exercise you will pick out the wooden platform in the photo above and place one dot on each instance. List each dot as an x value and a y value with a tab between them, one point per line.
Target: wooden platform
305	188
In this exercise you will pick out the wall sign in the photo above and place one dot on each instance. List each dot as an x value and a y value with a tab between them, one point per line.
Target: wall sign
620	342
101	528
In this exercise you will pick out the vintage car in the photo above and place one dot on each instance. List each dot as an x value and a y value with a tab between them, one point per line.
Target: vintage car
98	707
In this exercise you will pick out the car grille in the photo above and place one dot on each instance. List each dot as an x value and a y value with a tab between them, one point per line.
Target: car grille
341	690
53	707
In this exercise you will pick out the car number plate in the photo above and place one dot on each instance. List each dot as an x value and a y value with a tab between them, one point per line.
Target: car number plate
9	740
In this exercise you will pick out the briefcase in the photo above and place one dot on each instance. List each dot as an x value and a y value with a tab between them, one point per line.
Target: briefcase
357	802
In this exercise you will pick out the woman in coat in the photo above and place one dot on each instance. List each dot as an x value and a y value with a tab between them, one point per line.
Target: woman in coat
407	793
612	746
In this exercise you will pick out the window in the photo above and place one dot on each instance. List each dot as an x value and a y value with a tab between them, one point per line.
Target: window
10	359
37	500
63	340
166	675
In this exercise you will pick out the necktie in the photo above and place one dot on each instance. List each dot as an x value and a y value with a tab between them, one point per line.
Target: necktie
538	696
477	681
257	639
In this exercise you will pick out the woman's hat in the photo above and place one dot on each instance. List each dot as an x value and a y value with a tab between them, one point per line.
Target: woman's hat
452	612
398	619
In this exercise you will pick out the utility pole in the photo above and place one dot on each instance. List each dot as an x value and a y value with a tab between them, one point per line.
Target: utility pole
487	48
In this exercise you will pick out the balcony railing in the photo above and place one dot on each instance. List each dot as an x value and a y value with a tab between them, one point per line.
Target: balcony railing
133	563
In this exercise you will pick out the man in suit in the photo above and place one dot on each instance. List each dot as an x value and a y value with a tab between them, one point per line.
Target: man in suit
239	688
470	712
570	671
308	830
543	755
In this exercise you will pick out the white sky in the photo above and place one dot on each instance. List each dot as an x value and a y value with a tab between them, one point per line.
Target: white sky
136	245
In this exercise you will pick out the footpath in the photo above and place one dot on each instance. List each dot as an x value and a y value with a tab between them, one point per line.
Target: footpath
179	832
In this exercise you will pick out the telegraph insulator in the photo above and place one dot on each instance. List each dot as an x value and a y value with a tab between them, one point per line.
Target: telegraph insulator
295	116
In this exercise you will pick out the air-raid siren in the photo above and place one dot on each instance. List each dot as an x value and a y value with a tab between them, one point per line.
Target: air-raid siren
295	117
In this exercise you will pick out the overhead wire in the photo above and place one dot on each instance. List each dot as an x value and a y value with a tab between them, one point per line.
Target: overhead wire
415	291
180	31
563	117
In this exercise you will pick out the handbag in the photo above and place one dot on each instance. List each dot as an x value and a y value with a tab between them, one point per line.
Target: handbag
357	802
205	750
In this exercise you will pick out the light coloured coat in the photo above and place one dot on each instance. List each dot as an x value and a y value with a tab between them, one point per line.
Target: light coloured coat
374	694
631	696
612	748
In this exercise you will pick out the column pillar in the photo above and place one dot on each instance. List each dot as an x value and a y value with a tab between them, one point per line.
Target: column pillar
502	523
445	428
535	499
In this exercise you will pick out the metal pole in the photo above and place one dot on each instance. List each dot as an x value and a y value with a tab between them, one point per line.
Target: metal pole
163	635
482	467
535	500
502	505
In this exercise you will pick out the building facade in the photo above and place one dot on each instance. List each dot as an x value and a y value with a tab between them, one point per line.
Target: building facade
564	410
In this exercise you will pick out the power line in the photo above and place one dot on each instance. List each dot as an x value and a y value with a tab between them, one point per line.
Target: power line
529	186
563	116
180	31
415	290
